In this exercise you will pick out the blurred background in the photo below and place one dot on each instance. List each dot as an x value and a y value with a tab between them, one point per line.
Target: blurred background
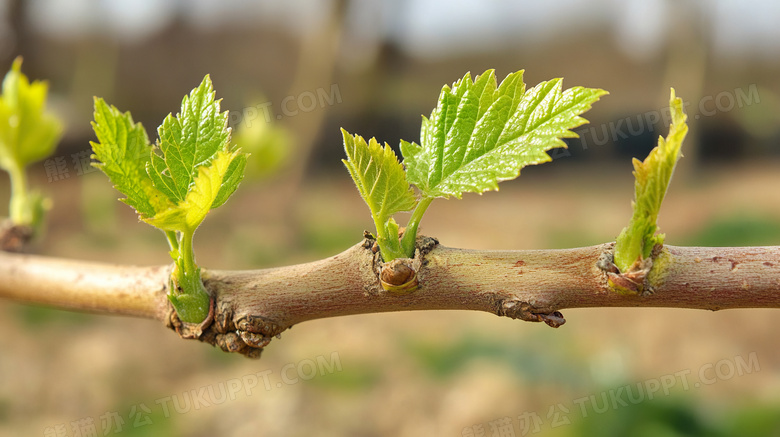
291	73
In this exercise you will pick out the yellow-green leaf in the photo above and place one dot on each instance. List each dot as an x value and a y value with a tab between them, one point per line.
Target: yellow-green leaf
189	214
169	188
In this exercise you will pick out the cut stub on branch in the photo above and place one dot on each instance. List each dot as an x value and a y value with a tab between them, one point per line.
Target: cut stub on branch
13	237
400	276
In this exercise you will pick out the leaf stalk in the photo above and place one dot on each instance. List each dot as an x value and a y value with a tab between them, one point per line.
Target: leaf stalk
410	234
19	213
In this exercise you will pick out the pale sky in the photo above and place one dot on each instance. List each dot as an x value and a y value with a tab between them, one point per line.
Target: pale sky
436	28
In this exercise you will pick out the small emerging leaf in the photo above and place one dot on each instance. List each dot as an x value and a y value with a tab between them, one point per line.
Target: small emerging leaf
479	134
381	181
232	177
28	133
637	240
378	175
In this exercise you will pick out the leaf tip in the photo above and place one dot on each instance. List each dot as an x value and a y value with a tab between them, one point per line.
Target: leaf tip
16	66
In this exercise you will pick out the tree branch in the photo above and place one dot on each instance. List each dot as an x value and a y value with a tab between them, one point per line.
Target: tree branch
86	286
250	307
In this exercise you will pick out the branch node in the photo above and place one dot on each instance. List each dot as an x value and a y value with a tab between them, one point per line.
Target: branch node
369	242
634	281
246	334
517	309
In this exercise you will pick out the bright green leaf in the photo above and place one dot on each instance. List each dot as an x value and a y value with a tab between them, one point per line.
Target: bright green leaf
187	141
637	240
381	181
123	152
480	134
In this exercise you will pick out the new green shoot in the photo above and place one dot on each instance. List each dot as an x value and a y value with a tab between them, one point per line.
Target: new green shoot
191	170
479	134
28	133
636	241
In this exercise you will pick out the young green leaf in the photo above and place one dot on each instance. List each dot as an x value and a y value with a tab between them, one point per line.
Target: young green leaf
381	181
123	153
636	241
28	133
189	140
195	171
480	134
191	170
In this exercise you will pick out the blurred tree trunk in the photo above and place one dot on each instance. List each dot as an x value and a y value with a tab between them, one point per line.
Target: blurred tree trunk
317	58
18	33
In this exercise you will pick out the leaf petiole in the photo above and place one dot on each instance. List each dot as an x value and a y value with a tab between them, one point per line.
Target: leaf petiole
172	240
186	251
19	211
410	234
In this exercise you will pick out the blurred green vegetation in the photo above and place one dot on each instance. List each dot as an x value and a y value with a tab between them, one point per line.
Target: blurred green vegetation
39	317
676	416
533	361
269	143
325	238
357	377
754	421
5	408
657	418
751	229
160	426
